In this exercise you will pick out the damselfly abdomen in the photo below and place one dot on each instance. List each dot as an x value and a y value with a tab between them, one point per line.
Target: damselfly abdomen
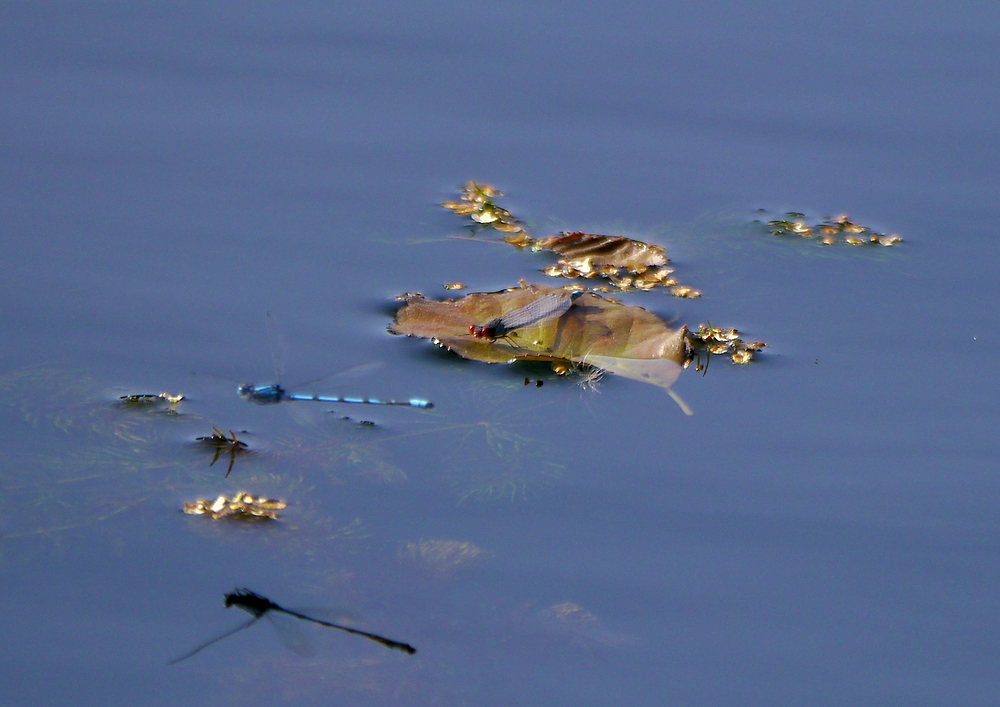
274	393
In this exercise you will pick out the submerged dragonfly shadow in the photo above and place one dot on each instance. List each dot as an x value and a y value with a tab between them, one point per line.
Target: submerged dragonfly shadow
258	607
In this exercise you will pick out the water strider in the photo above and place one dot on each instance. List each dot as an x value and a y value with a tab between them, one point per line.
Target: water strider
259	607
231	445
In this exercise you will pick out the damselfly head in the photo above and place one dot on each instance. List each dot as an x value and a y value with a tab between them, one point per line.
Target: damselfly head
262	394
493	329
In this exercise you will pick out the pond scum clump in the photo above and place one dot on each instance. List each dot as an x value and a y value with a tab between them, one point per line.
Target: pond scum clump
241	505
721	342
830	230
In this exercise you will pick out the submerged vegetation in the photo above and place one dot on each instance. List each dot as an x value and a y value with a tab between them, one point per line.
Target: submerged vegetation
79	455
441	556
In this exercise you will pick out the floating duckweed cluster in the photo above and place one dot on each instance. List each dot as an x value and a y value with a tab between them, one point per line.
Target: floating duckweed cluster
712	340
831	231
476	202
241	505
627	264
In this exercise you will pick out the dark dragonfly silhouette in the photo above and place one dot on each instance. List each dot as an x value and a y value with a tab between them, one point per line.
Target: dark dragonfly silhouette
260	607
271	393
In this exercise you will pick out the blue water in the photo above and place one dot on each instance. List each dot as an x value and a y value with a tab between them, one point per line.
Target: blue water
823	531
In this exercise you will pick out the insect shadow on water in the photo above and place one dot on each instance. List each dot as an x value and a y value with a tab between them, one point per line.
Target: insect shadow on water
273	393
261	607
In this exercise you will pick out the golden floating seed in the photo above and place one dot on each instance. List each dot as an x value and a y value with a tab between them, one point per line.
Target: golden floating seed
485	216
742	357
460	207
454	285
854	240
520	240
685	292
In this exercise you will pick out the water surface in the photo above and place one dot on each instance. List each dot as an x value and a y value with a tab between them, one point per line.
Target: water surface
822	531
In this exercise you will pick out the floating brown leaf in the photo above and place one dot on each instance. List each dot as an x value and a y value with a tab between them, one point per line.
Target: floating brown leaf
592	253
594	331
625	262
